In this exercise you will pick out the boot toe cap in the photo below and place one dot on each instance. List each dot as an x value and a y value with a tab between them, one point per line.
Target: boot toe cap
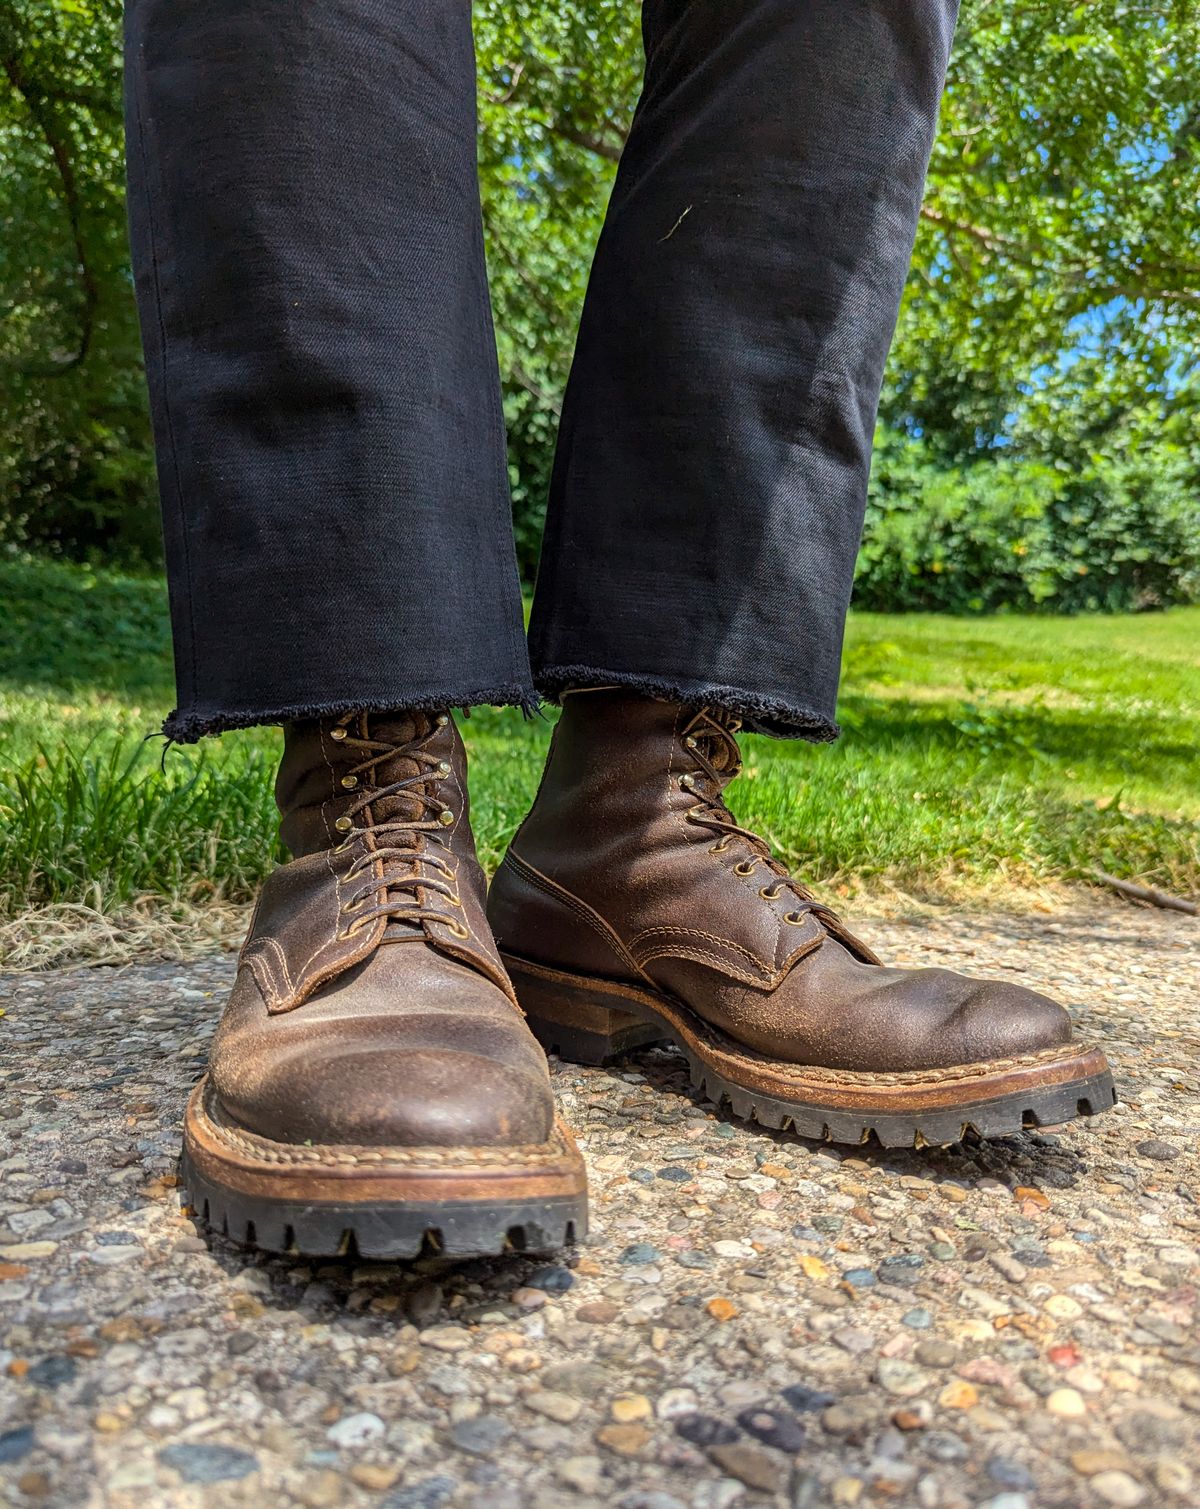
1000	1019
376	1096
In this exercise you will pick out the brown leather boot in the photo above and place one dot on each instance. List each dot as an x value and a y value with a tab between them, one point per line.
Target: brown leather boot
372	1085
632	908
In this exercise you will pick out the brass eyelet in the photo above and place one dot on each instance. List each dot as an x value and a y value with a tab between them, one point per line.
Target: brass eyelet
690	742
349	782
344	824
687	782
743	867
769	893
444	767
348	907
441	720
795	918
457	929
454	900
445	817
338	734
343	846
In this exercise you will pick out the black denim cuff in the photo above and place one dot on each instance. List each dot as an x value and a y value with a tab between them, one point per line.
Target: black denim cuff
188	727
775	716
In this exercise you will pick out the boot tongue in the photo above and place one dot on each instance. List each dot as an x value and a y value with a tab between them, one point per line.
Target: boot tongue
715	738
402	729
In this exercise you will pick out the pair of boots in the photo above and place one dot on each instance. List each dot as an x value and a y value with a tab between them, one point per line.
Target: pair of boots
378	1081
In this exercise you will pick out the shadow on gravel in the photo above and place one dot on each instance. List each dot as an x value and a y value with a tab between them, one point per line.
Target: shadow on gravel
401	1290
1074	930
412	1290
1031	1159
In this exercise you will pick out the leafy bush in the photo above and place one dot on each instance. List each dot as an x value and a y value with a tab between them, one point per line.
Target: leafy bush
65	624
1022	535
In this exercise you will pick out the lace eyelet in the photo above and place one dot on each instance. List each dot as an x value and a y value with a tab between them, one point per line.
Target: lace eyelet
349	782
769	893
349	907
344	824
687	782
795	918
458	929
743	867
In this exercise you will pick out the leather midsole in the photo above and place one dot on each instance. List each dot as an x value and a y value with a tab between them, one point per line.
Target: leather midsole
576	1000
238	1160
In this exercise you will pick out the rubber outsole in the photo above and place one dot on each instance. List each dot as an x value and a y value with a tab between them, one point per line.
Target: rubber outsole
379	1202
592	1021
1002	1117
485	1228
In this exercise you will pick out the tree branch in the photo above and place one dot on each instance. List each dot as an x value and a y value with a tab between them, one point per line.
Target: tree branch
535	389
579	138
1164	285
557	124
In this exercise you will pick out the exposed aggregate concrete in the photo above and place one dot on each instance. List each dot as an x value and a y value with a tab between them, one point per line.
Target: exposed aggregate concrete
755	1320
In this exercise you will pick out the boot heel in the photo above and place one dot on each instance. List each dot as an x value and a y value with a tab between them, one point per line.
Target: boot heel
574	1021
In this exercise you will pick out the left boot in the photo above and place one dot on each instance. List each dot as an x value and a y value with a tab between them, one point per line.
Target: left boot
632	908
372	1087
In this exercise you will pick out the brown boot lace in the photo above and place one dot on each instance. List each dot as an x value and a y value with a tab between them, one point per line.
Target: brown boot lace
709	739
405	852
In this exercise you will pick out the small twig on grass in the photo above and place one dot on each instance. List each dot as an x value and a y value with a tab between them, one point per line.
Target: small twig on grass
1148	894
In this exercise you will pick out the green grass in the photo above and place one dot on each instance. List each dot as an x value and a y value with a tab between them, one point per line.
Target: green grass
978	755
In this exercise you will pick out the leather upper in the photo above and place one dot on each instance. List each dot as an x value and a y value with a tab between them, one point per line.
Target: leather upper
631	867
370	1004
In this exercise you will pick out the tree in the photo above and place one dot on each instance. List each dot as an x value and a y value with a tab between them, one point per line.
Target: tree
74	435
1057	268
1053	311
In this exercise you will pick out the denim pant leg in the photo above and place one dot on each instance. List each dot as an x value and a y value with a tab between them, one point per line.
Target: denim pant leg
710	482
308	252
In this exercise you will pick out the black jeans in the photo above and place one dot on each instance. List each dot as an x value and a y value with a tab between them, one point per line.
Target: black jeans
310	275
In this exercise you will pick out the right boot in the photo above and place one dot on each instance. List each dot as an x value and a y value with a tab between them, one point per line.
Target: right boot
372	1085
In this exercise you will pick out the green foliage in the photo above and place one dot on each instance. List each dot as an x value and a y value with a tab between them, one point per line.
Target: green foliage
1052	316
103	821
1119	535
1060	218
75	625
76	471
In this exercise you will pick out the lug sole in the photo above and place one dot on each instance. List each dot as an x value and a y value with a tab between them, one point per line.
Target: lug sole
589	1020
380	1202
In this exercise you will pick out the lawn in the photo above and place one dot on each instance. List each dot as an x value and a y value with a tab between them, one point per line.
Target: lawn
985	760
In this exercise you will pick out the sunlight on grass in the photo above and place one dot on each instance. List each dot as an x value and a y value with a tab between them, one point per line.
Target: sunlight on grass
978	754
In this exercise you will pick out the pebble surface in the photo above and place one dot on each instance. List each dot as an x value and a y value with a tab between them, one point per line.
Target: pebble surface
755	1320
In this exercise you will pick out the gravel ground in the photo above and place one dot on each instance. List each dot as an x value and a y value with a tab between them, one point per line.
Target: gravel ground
755	1321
